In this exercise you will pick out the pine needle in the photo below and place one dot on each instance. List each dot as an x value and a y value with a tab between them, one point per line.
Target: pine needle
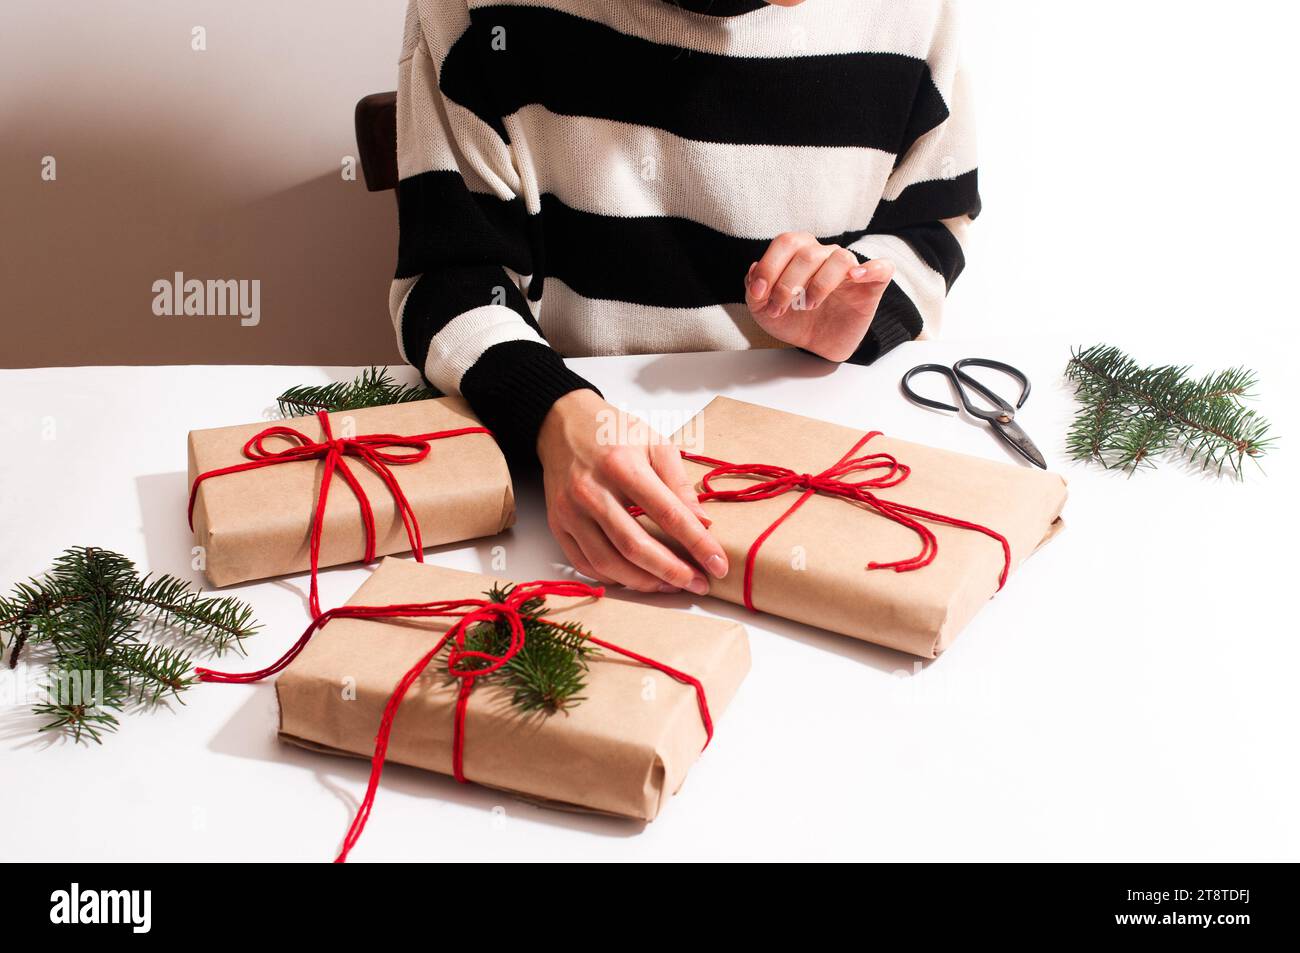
549	673
371	388
1131	416
94	615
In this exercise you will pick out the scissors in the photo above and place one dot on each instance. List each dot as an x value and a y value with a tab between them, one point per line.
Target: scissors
1002	418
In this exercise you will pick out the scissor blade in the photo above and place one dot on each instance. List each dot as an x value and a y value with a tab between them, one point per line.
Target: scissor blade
1019	441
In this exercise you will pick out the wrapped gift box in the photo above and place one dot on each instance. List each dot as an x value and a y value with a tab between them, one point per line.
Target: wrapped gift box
257	523
623	750
813	567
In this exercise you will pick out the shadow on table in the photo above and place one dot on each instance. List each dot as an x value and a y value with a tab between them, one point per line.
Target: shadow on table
167	538
298	584
251	733
889	661
22	726
721	371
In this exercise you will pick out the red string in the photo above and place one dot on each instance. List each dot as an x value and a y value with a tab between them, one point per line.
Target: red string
773	481
462	663
378	451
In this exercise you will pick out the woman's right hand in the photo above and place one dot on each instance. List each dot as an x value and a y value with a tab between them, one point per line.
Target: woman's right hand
597	460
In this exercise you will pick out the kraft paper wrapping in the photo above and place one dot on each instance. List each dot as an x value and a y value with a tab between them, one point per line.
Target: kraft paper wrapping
257	523
833	539
624	750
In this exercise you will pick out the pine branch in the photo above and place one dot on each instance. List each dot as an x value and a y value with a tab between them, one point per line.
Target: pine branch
549	672
170	603
97	615
79	720
1132	415
371	388
152	671
82	693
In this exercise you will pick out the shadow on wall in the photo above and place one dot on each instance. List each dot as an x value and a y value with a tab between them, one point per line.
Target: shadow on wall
138	202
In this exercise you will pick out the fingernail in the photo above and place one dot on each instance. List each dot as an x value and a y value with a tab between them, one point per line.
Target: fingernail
665	587
699	585
759	289
858	272
716	565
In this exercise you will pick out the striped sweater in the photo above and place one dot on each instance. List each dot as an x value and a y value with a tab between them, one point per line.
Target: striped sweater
586	177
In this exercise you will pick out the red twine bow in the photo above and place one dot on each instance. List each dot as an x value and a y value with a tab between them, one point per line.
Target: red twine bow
464	664
378	451
774	481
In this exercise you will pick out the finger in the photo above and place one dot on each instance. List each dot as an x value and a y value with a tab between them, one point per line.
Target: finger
573	553
610	564
876	271
671	515
764	273
833	273
791	287
871	287
667	462
604	501
635	544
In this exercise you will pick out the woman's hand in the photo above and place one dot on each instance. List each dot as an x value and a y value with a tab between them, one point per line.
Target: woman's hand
814	296
595	461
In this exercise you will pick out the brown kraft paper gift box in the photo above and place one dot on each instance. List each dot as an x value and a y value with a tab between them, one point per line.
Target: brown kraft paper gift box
623	750
833	539
257	523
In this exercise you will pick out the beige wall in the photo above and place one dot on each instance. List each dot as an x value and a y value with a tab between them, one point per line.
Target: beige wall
223	163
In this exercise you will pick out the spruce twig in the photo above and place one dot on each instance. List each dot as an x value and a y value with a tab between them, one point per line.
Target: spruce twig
371	388
550	671
1130	415
95	615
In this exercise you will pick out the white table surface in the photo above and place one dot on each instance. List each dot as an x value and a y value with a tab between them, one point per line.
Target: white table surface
1130	695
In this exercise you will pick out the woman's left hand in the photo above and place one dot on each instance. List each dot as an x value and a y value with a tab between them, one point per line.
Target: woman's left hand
814	296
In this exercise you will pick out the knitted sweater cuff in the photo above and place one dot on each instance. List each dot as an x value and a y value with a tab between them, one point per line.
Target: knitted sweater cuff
896	322
512	387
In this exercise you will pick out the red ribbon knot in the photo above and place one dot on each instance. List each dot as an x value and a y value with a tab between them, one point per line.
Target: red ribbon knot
467	613
773	481
378	451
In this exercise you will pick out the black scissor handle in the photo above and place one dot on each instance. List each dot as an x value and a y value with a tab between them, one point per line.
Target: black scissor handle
1012	372
943	369
960	380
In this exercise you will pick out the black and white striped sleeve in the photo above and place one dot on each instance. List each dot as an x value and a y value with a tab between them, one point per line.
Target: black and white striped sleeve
930	199
459	299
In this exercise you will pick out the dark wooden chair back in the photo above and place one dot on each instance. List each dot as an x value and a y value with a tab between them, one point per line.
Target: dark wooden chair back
376	120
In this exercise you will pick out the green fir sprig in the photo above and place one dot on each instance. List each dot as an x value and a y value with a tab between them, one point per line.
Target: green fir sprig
1131	415
373	387
549	672
93	619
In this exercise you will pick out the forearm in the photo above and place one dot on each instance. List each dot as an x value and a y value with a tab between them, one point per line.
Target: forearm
927	261
465	249
512	387
931	198
491	353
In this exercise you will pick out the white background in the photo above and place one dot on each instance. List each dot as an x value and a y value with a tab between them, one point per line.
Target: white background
1129	696
1137	161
